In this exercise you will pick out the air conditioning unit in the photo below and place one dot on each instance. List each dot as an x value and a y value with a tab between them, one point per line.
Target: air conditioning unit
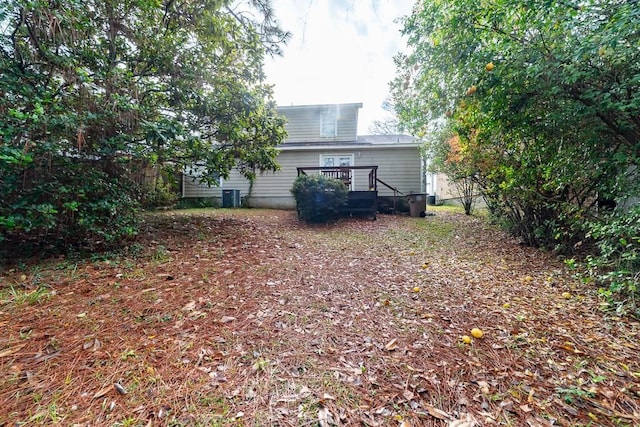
230	198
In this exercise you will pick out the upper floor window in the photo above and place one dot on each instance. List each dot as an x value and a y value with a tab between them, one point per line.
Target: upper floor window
329	123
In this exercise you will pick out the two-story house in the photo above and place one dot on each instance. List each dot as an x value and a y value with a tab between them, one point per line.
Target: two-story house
326	136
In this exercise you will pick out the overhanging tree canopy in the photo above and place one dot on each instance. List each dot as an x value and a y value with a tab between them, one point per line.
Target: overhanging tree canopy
157	80
542	99
547	92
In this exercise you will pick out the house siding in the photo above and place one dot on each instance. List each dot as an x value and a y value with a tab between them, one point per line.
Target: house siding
399	167
192	187
445	190
303	123
398	159
270	189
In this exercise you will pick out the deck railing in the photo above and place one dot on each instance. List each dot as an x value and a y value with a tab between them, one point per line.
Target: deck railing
344	173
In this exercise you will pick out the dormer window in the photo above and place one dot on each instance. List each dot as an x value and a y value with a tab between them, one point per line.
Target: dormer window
329	123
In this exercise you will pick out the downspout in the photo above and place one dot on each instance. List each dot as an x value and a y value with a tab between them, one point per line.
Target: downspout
423	175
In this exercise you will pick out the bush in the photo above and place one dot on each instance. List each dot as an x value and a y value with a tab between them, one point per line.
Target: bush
319	198
161	195
54	205
617	264
197	203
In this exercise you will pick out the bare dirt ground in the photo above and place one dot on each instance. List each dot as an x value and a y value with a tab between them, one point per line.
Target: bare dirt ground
249	317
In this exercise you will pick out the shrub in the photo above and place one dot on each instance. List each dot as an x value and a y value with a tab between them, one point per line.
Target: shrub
197	202
319	198
163	193
617	264
64	202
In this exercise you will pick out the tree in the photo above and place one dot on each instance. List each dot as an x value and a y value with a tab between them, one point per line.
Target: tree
550	93
462	173
542	84
388	125
103	85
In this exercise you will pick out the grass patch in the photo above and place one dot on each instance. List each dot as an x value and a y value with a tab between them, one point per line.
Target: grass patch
18	297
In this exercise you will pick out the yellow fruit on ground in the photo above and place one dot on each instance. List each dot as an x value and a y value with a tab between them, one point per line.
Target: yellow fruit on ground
477	333
489	66
506	305
472	90
416	289
566	295
466	339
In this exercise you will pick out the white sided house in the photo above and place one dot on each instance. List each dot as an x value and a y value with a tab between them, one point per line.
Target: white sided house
324	137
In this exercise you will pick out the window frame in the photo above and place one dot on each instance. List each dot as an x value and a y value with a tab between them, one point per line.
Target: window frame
352	162
329	123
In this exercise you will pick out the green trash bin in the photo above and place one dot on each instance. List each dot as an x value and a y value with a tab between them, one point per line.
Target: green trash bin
417	204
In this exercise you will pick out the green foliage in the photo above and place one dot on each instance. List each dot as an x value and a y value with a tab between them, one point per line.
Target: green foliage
90	90
543	97
197	202
162	193
319	198
617	264
451	152
19	296
65	203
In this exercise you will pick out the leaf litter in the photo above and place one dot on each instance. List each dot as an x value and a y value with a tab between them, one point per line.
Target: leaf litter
250	317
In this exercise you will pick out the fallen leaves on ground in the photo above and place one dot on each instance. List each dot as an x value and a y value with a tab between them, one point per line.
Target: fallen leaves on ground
249	317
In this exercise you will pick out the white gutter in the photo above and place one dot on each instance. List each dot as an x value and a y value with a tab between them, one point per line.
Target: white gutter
286	147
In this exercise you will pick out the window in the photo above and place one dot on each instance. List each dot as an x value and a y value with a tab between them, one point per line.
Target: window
336	161
329	123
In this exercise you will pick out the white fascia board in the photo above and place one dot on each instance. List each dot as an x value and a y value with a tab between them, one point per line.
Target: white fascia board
343	147
318	106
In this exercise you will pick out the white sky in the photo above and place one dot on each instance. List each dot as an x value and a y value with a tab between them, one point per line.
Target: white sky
341	51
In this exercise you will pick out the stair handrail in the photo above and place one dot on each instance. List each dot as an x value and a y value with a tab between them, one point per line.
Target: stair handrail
394	189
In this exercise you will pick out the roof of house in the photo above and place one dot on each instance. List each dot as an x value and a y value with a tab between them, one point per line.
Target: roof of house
316	106
385	139
361	142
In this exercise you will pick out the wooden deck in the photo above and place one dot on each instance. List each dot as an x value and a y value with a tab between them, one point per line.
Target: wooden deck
360	202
